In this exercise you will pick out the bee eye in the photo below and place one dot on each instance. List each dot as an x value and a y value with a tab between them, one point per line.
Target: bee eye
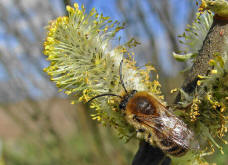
122	105
134	91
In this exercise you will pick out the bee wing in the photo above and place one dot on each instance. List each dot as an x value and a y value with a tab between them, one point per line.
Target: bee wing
172	128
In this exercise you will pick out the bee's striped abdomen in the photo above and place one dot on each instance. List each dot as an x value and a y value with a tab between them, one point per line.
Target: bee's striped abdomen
170	147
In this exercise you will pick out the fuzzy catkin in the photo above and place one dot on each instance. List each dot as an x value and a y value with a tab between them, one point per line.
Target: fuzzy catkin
83	63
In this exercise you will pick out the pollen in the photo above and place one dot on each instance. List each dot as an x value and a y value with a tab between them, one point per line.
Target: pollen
219	7
214	71
84	64
195	109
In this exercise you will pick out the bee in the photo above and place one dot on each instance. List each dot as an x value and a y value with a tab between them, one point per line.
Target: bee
154	122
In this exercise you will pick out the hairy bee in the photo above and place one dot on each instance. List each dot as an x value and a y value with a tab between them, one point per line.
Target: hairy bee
157	124
154	122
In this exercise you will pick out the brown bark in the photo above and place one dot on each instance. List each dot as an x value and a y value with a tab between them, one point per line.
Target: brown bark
213	44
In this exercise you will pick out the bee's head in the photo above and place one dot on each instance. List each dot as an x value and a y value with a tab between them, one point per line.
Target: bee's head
125	99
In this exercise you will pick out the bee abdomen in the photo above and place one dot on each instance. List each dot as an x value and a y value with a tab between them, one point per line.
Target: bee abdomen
179	152
172	148
166	143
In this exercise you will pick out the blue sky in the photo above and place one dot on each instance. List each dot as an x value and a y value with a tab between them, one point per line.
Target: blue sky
108	8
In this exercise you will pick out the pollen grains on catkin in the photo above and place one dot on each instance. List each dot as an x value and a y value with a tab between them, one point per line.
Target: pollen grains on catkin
218	7
84	64
213	106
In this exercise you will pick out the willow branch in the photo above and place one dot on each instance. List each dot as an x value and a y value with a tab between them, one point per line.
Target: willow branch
213	44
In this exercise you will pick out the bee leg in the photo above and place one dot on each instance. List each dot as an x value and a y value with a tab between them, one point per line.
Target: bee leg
140	130
140	133
147	137
136	118
150	139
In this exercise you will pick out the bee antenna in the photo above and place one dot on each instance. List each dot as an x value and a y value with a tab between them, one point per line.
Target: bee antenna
107	94
121	77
